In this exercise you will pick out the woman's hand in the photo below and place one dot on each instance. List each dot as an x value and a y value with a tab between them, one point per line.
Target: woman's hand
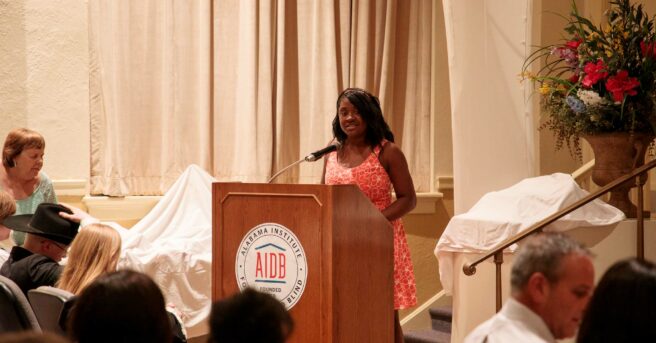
78	216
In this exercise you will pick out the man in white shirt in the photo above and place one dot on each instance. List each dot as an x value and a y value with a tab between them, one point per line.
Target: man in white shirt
552	279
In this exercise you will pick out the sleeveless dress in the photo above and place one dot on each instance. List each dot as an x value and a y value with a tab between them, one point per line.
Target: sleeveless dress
373	181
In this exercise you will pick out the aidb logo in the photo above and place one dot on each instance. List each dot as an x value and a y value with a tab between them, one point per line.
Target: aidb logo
271	259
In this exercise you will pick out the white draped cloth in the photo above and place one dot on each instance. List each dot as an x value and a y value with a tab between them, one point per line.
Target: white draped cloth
500	215
173	245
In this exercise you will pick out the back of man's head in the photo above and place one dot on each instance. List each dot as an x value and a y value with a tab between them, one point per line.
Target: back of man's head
553	276
249	316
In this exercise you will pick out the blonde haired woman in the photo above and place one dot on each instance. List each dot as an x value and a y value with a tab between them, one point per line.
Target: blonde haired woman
7	208
94	252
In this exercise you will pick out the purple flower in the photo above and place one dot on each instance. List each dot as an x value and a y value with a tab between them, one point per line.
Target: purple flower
575	104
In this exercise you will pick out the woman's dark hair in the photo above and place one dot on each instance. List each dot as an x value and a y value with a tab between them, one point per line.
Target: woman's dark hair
369	108
623	306
123	306
249	316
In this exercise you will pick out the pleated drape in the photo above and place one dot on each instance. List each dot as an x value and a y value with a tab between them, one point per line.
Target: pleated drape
244	88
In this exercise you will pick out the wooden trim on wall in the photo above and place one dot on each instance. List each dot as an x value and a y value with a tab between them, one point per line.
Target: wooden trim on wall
128	210
71	187
426	203
444	183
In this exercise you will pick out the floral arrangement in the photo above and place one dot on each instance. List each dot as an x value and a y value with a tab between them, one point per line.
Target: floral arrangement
601	78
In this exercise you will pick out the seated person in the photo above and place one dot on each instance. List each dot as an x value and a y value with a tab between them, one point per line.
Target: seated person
552	279
48	237
249	316
7	208
122	306
623	306
95	252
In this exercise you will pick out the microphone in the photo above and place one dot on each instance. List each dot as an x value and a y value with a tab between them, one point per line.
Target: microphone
310	158
319	153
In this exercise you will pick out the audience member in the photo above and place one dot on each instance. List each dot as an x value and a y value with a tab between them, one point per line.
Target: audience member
623	306
21	175
46	243
7	208
32	337
552	279
123	306
94	252
249	316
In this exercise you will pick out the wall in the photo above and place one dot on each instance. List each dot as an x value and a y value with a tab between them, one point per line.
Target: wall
422	231
547	29
44	79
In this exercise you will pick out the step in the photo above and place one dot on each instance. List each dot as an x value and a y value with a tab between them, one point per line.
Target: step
441	318
427	336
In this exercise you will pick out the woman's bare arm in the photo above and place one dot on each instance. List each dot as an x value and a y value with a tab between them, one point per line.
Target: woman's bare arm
395	164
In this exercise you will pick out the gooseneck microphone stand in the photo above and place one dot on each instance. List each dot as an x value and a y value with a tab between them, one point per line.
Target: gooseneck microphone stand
310	158
283	169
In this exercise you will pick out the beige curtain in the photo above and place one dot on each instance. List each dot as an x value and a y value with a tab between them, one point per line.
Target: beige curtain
277	77
280	101
276	70
149	93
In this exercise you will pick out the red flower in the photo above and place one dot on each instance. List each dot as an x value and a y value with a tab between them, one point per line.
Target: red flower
648	49
573	44
622	84
593	73
574	78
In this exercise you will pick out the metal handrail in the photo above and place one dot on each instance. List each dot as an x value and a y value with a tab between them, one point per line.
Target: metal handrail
497	252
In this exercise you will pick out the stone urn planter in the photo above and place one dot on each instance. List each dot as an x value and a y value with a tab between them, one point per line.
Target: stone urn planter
617	154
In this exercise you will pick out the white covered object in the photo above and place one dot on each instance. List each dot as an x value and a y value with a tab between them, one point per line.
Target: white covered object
173	245
500	215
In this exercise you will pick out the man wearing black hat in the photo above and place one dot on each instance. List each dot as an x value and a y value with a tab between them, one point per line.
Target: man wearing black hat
48	237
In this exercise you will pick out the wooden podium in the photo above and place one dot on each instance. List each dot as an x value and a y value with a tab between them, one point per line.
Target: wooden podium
347	293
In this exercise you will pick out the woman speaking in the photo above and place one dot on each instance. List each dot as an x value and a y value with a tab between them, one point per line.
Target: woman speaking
369	159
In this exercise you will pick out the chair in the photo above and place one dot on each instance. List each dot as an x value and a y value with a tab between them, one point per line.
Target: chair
15	311
48	304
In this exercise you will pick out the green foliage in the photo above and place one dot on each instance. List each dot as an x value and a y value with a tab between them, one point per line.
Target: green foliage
600	78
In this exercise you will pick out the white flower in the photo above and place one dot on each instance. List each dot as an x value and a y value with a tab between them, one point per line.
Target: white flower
590	98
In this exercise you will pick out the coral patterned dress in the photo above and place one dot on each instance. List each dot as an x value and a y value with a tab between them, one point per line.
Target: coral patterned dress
373	181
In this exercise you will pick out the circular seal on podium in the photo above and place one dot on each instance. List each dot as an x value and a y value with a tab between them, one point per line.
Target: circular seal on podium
271	259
